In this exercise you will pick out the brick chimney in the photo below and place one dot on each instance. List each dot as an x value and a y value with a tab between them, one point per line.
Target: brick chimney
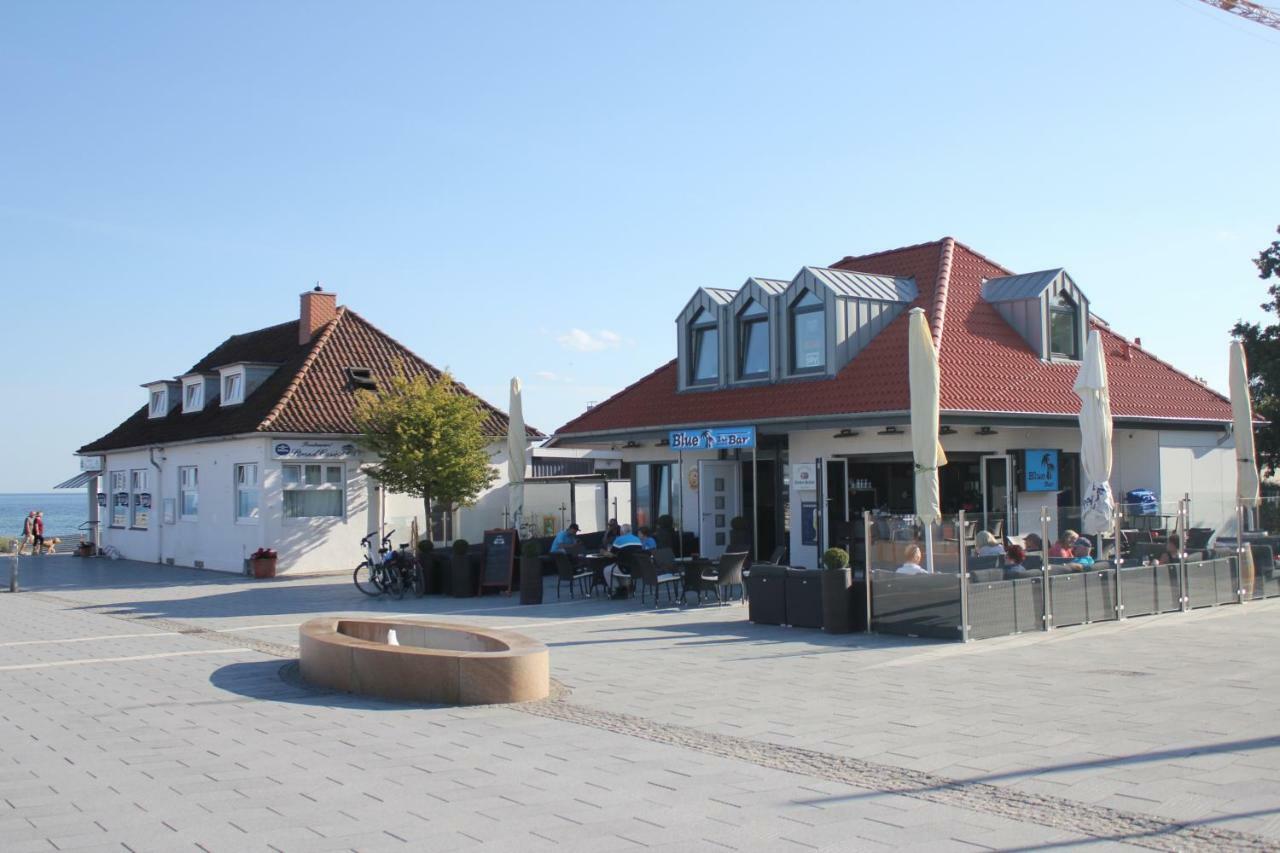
318	308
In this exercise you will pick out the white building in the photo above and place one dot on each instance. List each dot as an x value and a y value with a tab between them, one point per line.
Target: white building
254	447
809	375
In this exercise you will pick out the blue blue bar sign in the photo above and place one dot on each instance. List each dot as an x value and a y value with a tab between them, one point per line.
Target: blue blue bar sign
713	438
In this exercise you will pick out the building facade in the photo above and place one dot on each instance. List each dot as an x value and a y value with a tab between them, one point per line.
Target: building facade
788	405
254	447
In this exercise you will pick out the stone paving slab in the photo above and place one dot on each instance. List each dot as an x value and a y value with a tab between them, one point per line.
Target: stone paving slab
1143	713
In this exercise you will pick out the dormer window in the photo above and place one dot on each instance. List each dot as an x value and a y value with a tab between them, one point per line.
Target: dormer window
753	341
193	396
159	404
1064	328
704	346
232	389
808	334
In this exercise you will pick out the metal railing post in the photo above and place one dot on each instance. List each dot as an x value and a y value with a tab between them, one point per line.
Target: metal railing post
1115	528
866	565
1184	524
964	580
13	569
1046	616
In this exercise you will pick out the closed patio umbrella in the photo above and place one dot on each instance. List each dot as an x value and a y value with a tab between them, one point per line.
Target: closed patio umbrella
517	443
1242	421
1097	508
924	379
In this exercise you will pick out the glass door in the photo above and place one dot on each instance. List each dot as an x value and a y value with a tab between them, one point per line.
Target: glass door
998	506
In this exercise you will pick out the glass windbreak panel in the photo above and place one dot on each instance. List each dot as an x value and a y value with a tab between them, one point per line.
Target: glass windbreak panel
915	585
808	334
1063	331
643	494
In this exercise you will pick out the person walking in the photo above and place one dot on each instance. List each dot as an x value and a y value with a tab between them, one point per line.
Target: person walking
28	532
37	532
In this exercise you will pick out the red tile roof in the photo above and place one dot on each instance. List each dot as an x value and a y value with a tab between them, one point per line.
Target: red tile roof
309	393
986	365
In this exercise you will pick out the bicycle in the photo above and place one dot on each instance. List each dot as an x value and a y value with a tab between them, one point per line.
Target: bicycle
390	572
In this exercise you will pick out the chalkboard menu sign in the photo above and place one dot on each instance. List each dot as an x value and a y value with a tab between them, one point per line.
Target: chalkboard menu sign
499	559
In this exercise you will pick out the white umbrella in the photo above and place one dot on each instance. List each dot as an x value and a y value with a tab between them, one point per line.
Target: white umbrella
1242	416
1098	506
925	381
517	444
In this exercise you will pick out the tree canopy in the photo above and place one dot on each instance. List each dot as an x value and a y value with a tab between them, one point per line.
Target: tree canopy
1262	349
429	439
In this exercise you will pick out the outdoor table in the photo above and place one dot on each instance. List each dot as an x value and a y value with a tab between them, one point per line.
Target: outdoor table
596	563
693	569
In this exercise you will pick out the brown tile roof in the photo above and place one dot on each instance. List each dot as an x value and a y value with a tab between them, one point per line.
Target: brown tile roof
310	393
986	365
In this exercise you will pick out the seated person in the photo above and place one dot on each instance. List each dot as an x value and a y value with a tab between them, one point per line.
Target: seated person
566	540
611	532
1014	556
1062	548
912	566
1172	552
625	539
985	545
647	541
1081	555
1033	543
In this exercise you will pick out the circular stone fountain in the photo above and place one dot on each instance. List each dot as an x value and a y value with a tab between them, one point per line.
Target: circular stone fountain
411	660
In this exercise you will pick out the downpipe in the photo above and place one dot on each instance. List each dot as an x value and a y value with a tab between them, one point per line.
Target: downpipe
158	502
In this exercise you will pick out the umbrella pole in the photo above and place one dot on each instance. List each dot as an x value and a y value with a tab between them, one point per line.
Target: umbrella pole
928	547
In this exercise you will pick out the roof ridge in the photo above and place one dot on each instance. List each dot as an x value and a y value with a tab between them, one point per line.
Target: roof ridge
298	377
847	258
939	308
613	397
1158	360
983	257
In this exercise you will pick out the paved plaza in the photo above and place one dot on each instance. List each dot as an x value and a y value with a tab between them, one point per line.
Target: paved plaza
156	708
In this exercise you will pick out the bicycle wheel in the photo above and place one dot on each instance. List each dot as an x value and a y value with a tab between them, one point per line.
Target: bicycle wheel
419	580
395	582
366	578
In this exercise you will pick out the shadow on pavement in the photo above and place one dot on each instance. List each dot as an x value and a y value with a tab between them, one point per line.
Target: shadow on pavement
280	681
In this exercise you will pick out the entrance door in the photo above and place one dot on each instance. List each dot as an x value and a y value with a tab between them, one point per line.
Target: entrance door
998	495
719	500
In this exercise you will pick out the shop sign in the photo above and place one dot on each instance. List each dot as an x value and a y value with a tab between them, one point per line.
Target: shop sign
90	463
313	449
713	438
1040	471
804	476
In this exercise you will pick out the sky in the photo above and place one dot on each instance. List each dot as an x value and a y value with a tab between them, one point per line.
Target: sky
536	189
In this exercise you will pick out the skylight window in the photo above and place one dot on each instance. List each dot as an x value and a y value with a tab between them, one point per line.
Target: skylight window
362	379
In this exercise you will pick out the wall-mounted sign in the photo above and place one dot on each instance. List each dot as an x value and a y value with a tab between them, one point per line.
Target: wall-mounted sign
90	463
804	476
1040	471
809	523
713	438
313	449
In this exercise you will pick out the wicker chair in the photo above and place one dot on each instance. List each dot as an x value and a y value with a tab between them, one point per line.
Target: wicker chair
566	571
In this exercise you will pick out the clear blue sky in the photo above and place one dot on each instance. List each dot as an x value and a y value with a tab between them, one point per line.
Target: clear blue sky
536	188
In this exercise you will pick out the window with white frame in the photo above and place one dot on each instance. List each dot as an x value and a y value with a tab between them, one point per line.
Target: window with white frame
159	403
313	490
193	397
188	492
247	492
232	389
119	481
140	492
1064	328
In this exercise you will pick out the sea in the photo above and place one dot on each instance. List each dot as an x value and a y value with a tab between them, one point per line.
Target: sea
64	512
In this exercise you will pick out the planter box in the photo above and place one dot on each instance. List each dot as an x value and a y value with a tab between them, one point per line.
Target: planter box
263	567
84	549
463	582
530	580
837	601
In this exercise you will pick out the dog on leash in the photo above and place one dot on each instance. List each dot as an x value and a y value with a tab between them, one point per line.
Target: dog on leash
50	545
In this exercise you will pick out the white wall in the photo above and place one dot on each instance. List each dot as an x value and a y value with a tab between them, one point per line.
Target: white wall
1202	464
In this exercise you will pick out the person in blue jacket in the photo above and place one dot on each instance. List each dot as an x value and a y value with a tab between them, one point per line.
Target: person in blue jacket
566	540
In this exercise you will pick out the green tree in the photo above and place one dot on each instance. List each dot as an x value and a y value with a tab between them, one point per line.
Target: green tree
1262	348
429	439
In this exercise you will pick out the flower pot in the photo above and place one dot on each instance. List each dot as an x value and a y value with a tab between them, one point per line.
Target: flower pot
530	580
837	601
264	567
430	572
464	586
85	549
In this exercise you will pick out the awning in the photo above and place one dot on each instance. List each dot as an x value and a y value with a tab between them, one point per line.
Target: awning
78	480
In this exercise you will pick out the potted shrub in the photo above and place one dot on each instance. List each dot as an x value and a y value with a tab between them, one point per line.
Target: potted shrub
263	562
427	559
530	572
462	585
84	549
837	592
